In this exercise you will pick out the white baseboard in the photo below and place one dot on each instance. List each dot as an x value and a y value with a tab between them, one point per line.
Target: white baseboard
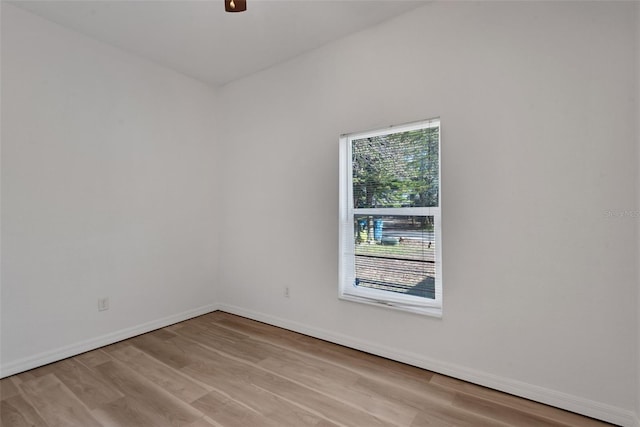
57	354
590	408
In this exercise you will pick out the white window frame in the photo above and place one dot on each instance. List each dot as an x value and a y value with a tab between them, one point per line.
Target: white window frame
347	289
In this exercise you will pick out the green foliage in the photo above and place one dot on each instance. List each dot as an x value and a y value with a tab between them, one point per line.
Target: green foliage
396	170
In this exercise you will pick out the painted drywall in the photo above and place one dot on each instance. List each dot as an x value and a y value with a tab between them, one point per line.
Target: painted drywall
538	171
637	72
108	190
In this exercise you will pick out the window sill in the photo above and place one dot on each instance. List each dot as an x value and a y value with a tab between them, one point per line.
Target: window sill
423	311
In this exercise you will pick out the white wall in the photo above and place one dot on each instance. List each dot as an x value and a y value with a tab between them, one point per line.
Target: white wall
638	200
108	189
538	161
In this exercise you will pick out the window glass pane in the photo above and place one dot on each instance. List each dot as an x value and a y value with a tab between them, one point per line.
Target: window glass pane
396	170
396	254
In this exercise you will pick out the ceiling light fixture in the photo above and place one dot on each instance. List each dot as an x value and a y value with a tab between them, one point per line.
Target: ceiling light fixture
235	5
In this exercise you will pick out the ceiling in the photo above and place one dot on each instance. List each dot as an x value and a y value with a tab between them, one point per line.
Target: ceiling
199	39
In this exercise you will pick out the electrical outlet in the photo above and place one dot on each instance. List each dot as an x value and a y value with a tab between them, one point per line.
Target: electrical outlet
286	292
103	304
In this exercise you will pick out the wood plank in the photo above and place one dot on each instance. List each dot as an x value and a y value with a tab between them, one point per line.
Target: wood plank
338	411
17	412
56	403
312	370
362	363
241	347
265	405
35	373
233	376
172	328
515	402
213	328
404	396
162	375
115	346
373	367
84	383
162	334
343	386
24	376
149	396
7	388
270	333
383	389
441	416
358	382
503	413
127	411
204	422
93	358
162	350
230	413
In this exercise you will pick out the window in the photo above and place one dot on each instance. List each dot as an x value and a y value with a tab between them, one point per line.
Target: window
390	251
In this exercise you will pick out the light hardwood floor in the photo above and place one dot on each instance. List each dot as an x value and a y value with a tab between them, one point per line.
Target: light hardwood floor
224	370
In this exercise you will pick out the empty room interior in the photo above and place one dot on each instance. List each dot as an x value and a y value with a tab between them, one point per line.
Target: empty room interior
328	213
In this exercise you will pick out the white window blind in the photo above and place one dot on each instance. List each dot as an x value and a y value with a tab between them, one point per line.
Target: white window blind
390	251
